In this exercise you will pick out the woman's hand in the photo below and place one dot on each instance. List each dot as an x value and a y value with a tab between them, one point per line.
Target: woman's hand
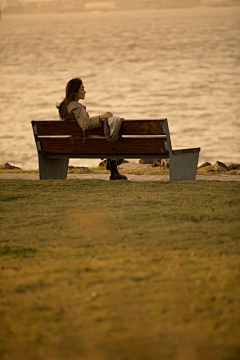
106	115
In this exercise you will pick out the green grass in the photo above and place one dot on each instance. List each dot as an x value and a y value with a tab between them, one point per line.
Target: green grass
96	270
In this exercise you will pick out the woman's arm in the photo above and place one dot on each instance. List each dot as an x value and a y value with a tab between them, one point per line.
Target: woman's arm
82	117
106	115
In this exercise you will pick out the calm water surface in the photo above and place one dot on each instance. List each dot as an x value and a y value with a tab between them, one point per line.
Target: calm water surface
182	64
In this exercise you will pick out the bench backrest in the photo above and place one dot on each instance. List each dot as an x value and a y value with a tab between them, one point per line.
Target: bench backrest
136	137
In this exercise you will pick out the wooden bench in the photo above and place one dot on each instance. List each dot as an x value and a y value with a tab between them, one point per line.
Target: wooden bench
58	141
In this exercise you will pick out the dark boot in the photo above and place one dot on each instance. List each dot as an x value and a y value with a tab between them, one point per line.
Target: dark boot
115	175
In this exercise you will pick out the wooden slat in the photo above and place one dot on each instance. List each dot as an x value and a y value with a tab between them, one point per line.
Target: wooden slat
129	127
142	127
184	151
102	146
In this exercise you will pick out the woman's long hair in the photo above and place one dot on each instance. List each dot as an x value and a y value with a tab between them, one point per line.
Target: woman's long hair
72	87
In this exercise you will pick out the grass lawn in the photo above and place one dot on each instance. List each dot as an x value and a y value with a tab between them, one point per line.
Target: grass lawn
144	170
100	270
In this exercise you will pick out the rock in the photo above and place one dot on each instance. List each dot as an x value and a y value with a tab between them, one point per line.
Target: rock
156	163
204	165
103	163
8	166
165	163
146	161
234	167
219	166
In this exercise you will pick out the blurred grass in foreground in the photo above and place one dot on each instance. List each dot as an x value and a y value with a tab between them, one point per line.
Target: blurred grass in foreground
97	270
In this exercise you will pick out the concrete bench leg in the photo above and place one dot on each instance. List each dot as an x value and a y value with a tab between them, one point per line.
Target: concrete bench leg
183	166
52	168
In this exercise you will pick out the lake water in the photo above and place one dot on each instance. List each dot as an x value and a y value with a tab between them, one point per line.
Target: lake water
183	64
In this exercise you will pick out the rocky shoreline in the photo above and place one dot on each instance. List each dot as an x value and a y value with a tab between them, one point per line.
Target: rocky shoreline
161	163
218	166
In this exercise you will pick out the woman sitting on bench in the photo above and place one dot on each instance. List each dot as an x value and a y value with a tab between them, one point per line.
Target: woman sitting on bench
71	109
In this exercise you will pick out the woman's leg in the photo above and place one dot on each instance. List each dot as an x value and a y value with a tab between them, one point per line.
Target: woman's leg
115	175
